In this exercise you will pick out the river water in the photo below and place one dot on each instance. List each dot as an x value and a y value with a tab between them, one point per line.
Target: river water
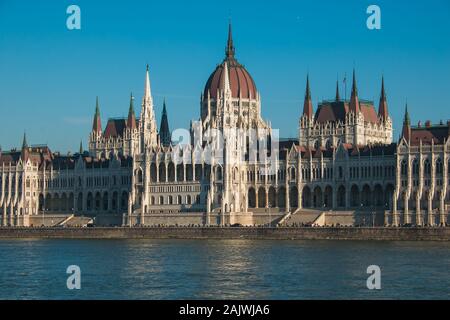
223	269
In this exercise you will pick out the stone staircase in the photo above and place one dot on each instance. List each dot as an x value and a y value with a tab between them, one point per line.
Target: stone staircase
73	221
301	217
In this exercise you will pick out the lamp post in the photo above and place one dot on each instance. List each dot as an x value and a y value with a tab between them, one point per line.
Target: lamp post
364	216
373	217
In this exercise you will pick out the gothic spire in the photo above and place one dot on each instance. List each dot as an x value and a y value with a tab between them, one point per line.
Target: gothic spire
383	107
81	147
131	121
354	102
97	125
407	120
147	91
225	78
406	131
147	121
338	97
229	50
307	105
24	153
24	142
164	131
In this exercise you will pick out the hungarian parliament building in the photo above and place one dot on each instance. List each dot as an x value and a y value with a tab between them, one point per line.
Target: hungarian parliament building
232	168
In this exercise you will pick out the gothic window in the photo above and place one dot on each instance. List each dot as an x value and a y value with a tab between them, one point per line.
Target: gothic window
439	167
219	173
415	167
427	167
292	173
404	168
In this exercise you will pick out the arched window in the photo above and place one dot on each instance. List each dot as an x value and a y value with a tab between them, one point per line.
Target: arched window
292	173
218	173
404	168
415	167
427	167
439	167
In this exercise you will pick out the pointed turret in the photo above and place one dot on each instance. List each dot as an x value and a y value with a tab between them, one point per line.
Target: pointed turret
338	97
24	141
229	50
354	101
225	79
147	91
307	105
97	125
24	154
81	147
164	131
406	131
383	107
147	120
131	121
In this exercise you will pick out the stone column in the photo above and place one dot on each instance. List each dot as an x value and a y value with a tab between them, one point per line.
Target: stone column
167	171
394	211
157	172
267	197
430	210
418	212
406	211
300	198
442	210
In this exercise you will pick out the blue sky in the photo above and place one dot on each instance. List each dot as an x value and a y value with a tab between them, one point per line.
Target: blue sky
50	76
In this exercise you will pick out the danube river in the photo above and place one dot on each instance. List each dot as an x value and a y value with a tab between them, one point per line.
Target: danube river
223	269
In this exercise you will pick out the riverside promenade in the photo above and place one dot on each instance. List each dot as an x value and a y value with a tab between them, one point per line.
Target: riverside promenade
253	233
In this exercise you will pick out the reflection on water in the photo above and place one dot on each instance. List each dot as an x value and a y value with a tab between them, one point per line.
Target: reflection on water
222	269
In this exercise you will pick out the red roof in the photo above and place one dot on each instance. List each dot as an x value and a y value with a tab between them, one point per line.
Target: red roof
241	82
336	111
115	128
437	134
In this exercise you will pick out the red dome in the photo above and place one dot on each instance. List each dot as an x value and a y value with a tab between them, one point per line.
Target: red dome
241	83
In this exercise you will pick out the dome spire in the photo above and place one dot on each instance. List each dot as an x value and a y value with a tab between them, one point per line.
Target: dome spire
229	51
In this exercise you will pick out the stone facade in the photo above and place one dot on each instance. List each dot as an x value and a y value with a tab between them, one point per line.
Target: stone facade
233	168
